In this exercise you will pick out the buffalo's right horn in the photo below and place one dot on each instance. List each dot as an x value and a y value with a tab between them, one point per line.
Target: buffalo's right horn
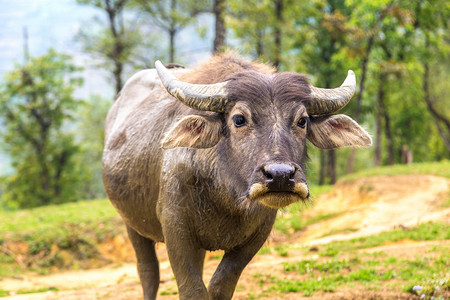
208	97
328	101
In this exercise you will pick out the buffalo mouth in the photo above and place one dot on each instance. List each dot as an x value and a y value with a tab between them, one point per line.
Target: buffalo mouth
278	199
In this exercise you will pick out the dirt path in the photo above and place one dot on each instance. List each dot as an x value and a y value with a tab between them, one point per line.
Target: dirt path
363	207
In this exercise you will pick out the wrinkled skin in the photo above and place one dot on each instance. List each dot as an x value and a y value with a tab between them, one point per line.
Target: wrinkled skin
216	185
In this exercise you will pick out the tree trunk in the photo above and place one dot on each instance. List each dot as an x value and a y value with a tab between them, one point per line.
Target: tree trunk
62	161
438	117
172	33
118	68
26	50
377	160
219	39
387	125
322	167
389	141
278	24
259	43
443	135
40	143
407	155
113	13
331	166
380	97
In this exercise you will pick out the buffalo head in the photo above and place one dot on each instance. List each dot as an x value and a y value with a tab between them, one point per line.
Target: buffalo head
259	124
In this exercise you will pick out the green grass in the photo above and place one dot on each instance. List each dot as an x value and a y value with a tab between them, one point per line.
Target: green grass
265	250
446	203
308	266
338	231
322	217
48	220
4	293
282	250
317	190
56	236
169	292
33	291
441	168
342	265
423	232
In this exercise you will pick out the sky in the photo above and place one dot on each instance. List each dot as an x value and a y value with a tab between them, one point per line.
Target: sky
50	24
55	23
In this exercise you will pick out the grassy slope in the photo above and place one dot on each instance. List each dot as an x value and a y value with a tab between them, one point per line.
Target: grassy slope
59	236
433	168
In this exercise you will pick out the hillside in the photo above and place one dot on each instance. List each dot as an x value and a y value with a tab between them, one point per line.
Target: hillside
373	237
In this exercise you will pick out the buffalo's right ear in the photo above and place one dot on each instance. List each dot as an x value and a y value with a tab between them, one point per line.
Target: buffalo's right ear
194	132
336	131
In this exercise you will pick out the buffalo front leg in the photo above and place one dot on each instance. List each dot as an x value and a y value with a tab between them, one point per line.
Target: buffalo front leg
225	278
186	260
147	263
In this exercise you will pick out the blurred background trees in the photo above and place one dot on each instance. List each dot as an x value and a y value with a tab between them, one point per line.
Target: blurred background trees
37	103
398	49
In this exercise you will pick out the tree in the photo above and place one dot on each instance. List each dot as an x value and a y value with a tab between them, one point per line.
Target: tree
37	102
115	42
277	32
172	16
323	32
250	21
430	17
261	26
365	15
90	132
220	29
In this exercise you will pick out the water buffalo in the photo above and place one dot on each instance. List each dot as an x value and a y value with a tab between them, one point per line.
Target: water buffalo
202	160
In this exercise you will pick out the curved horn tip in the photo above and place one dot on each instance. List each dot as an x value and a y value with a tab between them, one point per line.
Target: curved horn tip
158	63
350	80
164	74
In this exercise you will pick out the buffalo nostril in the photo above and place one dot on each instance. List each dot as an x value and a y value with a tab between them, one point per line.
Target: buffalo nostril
292	175
280	177
267	175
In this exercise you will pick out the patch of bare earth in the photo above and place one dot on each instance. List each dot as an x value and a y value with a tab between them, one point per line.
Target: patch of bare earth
362	207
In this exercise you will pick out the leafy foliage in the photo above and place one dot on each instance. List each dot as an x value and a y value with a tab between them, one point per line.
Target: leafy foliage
90	135
172	16
116	41
37	101
390	44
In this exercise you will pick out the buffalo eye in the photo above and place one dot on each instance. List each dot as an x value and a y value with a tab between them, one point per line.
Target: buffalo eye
302	122
239	120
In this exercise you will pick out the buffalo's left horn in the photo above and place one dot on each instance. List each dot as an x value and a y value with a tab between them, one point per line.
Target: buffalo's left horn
328	101
208	97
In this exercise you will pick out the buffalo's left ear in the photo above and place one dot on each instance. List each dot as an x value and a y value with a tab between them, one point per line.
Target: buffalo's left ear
194	132
336	131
